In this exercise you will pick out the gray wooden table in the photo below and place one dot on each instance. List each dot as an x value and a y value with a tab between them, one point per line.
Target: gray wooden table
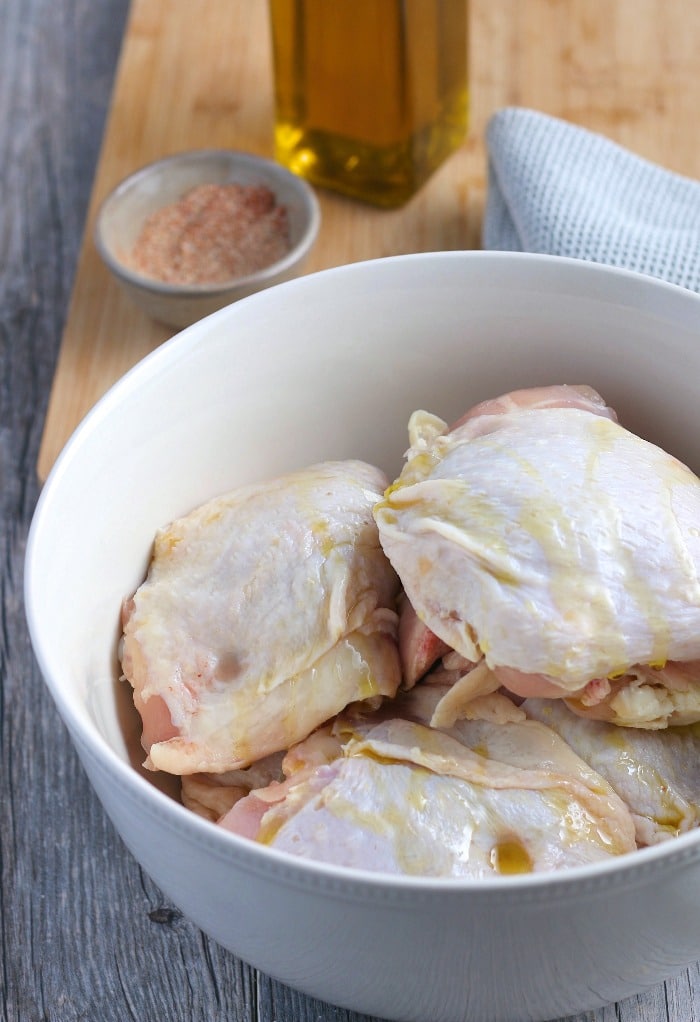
85	934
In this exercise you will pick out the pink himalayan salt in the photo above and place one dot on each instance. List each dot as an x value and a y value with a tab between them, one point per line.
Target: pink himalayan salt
213	234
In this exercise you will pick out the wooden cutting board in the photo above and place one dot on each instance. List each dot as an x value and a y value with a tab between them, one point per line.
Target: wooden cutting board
200	75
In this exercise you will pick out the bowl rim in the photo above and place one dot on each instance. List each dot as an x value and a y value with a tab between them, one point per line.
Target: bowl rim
626	870
236	157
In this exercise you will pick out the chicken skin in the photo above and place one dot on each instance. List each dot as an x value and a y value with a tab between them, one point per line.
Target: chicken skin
481	799
540	535
655	773
490	667
264	613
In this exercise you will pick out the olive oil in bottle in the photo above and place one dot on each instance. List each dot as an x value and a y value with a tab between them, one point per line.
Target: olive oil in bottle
370	95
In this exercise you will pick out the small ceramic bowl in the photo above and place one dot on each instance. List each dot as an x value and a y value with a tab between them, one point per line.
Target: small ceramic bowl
124	211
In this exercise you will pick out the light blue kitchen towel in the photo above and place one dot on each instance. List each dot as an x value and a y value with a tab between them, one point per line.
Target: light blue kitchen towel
560	189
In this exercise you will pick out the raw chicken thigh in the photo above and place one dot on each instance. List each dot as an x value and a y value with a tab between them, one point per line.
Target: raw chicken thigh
540	535
212	795
549	561
389	793
655	773
265	612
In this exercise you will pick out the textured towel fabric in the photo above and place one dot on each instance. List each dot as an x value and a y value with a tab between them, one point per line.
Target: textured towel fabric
559	189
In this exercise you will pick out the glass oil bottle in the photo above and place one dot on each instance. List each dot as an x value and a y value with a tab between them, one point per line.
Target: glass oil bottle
370	95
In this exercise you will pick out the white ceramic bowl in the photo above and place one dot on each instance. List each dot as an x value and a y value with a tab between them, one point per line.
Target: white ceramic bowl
330	366
122	215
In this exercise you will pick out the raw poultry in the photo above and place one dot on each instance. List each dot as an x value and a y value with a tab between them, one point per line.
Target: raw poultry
540	538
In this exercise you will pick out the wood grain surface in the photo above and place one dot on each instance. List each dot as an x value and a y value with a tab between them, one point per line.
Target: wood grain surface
85	934
187	80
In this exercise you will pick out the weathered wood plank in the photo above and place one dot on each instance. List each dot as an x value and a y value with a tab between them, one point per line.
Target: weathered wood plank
85	934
